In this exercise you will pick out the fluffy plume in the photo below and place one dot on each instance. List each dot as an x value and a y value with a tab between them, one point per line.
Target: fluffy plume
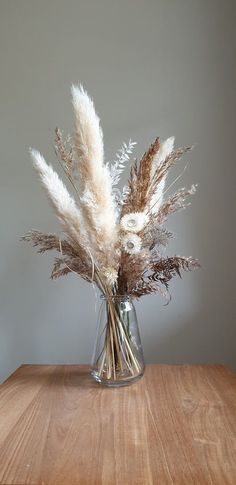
166	148
88	133
97	202
64	205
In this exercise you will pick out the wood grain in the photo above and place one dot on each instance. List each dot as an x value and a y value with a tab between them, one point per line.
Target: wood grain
175	426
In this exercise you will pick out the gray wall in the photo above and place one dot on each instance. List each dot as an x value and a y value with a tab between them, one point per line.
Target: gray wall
153	67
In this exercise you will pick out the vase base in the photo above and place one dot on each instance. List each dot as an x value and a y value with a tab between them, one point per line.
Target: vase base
115	383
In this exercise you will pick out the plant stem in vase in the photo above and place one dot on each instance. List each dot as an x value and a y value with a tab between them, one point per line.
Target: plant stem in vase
118	357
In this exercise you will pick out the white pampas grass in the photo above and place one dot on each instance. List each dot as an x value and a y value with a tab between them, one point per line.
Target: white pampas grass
164	151
97	201
88	133
134	221
65	206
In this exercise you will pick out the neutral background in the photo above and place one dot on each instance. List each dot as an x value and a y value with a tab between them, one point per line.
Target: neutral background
163	67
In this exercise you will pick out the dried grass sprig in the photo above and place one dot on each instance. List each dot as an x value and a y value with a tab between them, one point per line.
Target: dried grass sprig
161	173
64	266
132	268
45	242
122	156
48	242
139	182
155	235
165	269
73	257
174	203
65	154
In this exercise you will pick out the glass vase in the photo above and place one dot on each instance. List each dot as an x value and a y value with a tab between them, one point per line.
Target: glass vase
118	356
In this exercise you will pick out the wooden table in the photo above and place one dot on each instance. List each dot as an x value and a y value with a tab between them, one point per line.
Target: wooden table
175	426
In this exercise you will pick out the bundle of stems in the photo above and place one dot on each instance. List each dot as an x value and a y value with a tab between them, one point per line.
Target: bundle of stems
112	238
118	353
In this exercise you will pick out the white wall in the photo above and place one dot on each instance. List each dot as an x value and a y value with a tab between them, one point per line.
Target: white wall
153	67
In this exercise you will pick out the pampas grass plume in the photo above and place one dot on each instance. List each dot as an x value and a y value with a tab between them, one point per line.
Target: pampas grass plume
165	150
64	205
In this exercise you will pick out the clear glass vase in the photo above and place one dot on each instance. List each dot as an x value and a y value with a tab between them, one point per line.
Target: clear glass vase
118	356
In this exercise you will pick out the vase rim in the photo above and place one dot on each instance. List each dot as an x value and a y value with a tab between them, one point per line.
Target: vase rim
116	297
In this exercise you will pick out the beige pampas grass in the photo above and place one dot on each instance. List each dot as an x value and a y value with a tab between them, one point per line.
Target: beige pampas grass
65	206
88	133
95	183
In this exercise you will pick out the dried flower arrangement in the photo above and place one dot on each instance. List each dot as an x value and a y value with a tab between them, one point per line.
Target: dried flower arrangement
111	238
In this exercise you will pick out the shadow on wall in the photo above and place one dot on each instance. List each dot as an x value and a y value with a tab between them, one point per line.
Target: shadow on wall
175	336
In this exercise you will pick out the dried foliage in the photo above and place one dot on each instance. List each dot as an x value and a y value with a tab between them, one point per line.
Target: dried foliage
122	157
160	273
73	258
174	203
139	182
164	269
165	166
63	266
45	242
155	236
132	267
115	239
65	154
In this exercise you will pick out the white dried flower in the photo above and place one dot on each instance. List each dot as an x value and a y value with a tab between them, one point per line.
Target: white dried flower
111	275
134	222
131	243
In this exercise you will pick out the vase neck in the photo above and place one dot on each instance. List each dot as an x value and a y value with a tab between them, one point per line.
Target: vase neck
116	298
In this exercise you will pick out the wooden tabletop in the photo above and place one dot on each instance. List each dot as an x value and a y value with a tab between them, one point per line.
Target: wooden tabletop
175	426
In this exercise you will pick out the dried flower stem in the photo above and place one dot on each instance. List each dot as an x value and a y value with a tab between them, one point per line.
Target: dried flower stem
117	343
